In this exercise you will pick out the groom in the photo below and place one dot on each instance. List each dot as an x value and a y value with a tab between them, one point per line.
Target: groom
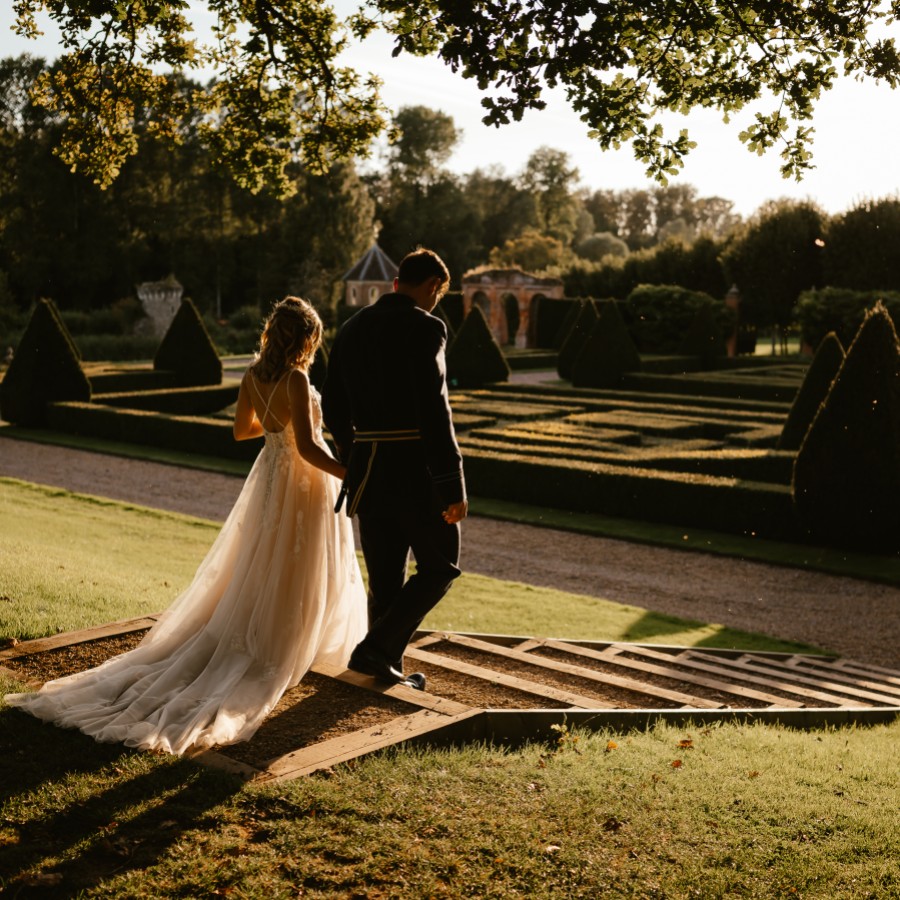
385	403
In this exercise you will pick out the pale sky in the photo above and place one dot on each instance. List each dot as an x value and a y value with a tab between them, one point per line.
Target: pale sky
855	150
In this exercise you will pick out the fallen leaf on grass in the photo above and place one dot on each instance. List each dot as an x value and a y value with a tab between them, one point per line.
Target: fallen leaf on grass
613	823
676	764
753	774
552	848
611	745
686	744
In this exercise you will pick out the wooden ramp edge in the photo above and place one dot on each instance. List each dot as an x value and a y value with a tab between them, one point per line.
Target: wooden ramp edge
664	683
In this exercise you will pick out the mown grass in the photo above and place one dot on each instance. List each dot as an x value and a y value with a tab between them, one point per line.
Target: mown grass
872	567
751	812
68	561
723	811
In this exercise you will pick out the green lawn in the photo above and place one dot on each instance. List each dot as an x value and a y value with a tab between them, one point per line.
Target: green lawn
68	561
730	810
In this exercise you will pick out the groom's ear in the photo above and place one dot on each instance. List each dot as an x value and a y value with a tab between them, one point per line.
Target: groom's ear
396	283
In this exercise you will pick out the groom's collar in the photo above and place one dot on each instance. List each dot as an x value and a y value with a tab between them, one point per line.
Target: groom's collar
395	299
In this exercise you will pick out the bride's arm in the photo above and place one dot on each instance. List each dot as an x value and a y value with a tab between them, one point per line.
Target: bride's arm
246	425
301	417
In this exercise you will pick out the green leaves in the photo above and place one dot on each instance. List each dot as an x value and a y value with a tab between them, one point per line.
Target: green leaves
279	94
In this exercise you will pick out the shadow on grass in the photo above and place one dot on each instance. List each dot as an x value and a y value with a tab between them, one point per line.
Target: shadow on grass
652	626
126	811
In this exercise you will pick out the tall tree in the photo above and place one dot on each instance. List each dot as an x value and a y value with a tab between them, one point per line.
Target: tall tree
551	179
774	257
280	92
425	140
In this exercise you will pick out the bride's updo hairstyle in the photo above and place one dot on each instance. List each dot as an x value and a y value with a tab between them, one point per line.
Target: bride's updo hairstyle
290	337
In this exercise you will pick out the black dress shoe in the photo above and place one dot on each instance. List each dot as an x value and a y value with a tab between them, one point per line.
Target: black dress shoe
415	680
370	662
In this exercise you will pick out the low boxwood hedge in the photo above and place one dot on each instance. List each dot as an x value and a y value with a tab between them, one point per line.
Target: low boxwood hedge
724	504
192	401
190	434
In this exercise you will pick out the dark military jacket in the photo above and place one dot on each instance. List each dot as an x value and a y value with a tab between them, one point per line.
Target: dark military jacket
385	403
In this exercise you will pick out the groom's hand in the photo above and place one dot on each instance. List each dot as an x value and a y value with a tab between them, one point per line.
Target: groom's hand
456	512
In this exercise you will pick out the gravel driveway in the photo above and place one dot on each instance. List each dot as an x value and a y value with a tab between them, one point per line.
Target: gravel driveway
855	618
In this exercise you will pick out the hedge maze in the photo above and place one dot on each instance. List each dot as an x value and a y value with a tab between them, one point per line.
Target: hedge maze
701	461
754	446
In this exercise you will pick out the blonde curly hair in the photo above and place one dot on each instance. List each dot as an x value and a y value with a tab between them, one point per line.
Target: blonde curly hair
290	337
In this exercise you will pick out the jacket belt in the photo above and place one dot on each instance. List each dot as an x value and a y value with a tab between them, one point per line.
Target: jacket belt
394	434
360	463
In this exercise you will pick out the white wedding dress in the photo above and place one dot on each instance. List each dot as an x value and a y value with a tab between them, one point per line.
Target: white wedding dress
279	591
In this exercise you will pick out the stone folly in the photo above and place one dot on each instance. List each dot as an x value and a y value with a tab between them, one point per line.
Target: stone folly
371	277
161	300
509	299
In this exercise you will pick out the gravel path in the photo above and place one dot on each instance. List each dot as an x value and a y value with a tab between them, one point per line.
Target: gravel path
855	618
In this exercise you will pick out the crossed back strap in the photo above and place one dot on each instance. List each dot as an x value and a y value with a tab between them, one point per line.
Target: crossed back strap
266	410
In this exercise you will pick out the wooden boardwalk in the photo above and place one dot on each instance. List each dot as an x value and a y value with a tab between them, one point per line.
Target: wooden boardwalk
511	689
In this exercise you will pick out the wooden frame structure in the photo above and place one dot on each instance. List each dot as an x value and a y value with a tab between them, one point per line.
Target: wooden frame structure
536	684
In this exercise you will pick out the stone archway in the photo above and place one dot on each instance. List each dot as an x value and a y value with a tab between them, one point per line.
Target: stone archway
511	318
507	298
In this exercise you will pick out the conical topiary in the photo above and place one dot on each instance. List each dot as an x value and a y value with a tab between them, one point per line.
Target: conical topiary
319	367
608	353
44	368
441	313
567	323
475	358
822	370
703	338
187	350
580	332
846	484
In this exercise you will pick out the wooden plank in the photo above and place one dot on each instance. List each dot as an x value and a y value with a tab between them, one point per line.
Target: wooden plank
750	663
640	687
358	743
421	699
728	669
612	655
532	688
70	638
892	676
838	676
426	640
216	759
530	644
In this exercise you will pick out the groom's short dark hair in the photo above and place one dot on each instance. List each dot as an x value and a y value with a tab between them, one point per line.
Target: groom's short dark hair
420	265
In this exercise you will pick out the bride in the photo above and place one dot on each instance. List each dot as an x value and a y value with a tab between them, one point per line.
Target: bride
279	591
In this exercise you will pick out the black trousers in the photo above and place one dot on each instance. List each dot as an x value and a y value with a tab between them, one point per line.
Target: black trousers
397	604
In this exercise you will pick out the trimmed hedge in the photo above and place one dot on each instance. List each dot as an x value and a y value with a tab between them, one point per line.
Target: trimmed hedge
753	464
840	310
723	504
704	338
189	434
568	322
576	339
115	380
319	368
608	353
451	306
717	384
192	401
474	358
659	316
45	368
822	371
549	317
187	350
847	473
